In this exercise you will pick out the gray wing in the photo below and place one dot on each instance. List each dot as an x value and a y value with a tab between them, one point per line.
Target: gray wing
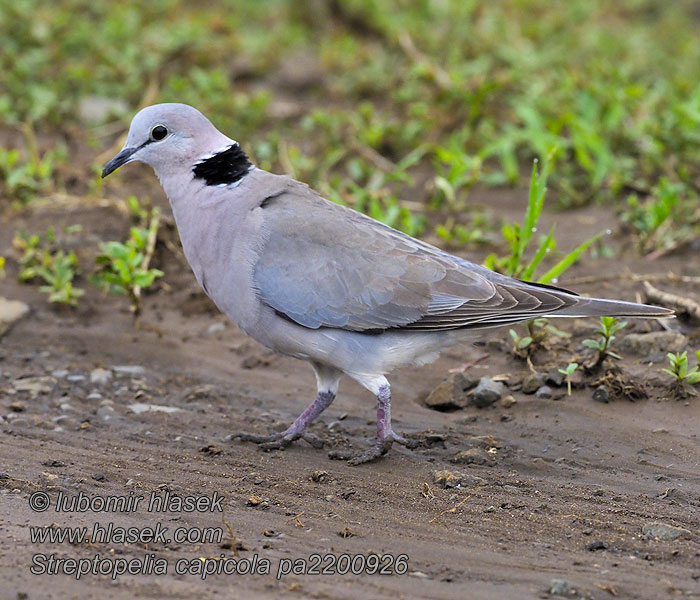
324	265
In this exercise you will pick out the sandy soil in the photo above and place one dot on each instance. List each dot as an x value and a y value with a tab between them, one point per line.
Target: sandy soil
565	487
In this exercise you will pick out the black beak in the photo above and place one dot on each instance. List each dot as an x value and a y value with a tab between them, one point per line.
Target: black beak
122	158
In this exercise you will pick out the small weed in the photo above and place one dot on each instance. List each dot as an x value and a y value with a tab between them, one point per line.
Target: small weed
668	216
124	266
569	371
518	238
608	327
2	267
684	378
59	274
40	260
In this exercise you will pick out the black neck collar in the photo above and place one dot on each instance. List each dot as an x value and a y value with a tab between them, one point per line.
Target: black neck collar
225	167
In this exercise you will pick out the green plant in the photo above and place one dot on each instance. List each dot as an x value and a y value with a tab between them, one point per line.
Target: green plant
2	267
519	237
569	371
124	266
59	274
56	267
608	327
538	330
683	377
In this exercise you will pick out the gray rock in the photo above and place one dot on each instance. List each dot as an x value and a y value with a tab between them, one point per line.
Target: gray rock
545	392
646	344
532	383
559	587
129	370
451	394
663	531
601	394
555	378
11	311
75	378
100	376
94	396
60	373
487	392
106	413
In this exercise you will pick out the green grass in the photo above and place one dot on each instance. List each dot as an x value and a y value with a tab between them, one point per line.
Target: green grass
378	101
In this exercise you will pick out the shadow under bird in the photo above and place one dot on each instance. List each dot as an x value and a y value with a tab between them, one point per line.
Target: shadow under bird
321	282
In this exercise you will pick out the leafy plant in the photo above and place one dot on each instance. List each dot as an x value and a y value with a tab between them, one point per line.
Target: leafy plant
608	327
59	274
2	267
56	267
538	330
684	377
569	371
124	266
519	237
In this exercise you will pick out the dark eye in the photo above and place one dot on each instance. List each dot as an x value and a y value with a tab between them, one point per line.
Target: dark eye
159	132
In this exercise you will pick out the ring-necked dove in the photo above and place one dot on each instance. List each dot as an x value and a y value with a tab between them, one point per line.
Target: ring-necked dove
319	281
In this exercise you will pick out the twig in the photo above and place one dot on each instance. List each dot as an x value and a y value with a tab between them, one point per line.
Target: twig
672	300
470	363
150	248
439	75
631	277
372	155
450	510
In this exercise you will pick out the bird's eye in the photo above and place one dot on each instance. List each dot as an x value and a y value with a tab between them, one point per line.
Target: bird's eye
159	132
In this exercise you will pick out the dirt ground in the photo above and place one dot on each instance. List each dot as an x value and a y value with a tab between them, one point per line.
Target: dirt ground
563	490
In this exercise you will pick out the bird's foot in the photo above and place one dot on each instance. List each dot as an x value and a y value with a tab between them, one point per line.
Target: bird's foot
380	447
280	440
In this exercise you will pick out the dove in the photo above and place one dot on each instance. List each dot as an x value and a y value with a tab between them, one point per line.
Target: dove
320	282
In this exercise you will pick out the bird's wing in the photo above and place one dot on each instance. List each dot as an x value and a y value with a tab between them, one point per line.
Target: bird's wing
324	265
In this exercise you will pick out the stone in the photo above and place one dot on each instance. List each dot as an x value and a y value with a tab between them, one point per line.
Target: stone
11	311
532	383
129	370
486	393
451	394
139	408
545	393
508	401
34	385
100	376
555	378
559	587
647	344
473	456
601	394
663	531
454	479
75	378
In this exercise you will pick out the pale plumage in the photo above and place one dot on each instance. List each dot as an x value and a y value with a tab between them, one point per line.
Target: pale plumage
321	282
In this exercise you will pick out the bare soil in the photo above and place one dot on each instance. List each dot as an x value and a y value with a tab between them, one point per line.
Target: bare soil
563	490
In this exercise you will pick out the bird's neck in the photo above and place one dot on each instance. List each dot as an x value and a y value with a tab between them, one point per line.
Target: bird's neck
225	166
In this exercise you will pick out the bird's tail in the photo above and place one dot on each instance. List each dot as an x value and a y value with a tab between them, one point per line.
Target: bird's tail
599	307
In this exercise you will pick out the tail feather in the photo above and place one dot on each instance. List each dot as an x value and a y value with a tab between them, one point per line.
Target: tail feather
600	307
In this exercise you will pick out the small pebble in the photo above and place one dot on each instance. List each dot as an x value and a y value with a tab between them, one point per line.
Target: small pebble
544	392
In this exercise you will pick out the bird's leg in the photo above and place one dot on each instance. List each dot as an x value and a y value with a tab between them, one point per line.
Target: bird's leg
386	436
327	379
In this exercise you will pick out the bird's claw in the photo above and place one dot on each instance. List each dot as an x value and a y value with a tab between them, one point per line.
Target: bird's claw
377	450
280	440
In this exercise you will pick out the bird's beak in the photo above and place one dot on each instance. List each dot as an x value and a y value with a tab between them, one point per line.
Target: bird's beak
120	159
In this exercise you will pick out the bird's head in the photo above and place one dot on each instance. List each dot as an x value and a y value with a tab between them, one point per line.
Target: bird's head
168	138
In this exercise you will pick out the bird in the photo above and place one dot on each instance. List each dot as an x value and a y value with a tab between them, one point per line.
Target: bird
318	281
